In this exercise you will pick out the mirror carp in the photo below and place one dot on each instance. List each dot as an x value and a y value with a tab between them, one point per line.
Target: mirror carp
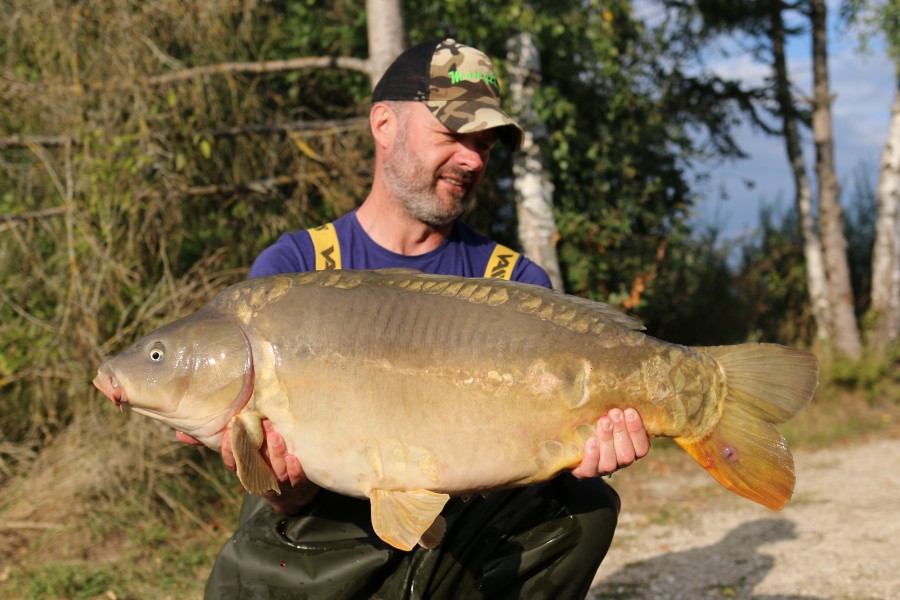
407	388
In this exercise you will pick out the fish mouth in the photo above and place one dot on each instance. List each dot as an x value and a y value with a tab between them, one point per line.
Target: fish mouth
109	385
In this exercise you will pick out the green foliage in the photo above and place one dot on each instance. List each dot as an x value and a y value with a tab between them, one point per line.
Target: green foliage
872	17
623	118
170	189
772	281
859	229
877	380
161	196
693	298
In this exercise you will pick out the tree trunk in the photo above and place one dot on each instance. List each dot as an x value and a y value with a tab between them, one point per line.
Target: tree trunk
534	191
387	35
812	246
845	330
886	252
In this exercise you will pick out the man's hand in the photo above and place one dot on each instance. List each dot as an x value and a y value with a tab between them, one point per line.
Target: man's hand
619	439
296	490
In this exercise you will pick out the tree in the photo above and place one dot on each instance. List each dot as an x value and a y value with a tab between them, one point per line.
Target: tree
812	245
871	17
886	251
534	191
148	155
845	329
386	34
829	285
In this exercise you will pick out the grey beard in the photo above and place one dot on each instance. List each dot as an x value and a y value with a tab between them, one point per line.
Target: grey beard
418	194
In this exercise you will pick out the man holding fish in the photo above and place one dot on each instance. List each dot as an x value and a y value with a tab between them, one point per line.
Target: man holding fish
435	117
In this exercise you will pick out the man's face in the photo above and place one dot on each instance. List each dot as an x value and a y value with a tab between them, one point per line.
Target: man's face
432	170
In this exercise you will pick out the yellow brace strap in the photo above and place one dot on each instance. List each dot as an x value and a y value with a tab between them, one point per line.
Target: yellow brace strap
501	263
328	254
326	246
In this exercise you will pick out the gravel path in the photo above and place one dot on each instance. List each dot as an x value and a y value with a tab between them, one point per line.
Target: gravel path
682	537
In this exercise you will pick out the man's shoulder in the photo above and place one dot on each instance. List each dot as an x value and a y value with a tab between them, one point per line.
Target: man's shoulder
295	251
524	270
291	253
528	271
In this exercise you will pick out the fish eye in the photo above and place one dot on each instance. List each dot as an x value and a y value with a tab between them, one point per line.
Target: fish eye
157	352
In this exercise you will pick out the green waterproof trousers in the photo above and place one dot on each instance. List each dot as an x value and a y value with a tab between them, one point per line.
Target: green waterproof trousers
542	541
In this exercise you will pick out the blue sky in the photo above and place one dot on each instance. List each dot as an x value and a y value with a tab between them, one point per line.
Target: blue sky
863	84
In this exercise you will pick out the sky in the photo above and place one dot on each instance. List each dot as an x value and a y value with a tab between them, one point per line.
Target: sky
863	85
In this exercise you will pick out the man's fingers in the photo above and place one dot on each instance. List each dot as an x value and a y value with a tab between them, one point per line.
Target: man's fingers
624	451
637	432
225	450
619	439
276	450
605	432
187	439
294	470
599	452
588	466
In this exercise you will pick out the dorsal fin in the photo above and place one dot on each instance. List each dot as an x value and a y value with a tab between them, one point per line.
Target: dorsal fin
569	311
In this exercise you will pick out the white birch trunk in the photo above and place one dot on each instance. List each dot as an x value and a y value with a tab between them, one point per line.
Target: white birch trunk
812	247
387	35
534	191
886	252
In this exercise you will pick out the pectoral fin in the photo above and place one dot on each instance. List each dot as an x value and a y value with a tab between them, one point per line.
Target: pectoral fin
247	438
403	519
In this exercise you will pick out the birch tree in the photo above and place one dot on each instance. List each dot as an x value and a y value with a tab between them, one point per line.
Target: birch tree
812	245
884	17
845	329
764	22
534	191
886	252
386	33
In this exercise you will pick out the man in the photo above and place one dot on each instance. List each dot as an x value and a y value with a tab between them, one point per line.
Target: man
435	117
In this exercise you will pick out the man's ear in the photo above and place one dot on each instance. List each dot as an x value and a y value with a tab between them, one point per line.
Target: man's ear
383	122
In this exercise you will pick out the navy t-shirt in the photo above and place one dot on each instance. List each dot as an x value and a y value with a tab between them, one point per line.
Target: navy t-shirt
464	252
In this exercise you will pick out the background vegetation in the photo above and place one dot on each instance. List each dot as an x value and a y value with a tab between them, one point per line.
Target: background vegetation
134	185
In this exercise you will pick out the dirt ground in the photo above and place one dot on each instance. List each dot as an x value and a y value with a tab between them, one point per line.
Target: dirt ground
839	538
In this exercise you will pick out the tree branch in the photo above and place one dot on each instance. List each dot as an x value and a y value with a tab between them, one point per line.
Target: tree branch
329	126
47	141
34	214
269	66
260	186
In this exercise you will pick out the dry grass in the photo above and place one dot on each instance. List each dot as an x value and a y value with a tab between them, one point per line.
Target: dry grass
115	502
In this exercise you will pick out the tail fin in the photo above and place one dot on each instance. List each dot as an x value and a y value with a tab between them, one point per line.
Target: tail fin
766	384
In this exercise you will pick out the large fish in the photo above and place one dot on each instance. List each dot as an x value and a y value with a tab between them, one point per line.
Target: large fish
408	388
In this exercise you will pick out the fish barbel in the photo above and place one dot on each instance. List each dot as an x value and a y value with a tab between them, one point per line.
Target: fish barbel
407	388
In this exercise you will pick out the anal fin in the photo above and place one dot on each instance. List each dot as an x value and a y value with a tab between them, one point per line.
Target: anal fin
403	519
433	535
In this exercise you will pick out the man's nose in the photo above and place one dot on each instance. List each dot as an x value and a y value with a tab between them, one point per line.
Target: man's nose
471	157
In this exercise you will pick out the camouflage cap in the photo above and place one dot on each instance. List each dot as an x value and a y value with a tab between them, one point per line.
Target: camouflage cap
456	82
